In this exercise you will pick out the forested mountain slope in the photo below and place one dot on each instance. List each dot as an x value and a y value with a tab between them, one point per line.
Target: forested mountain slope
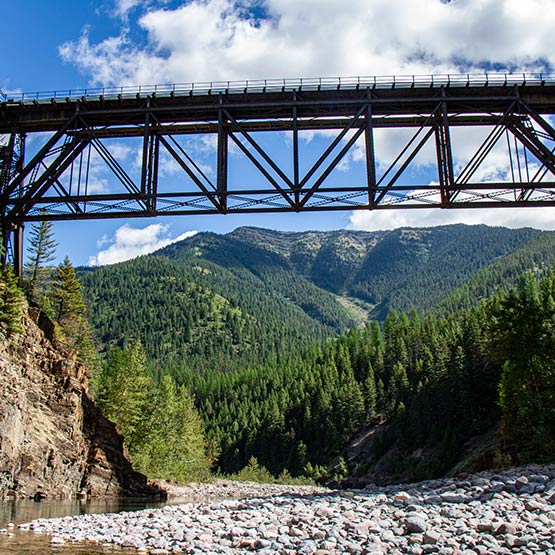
231	301
421	392
241	320
196	314
536	255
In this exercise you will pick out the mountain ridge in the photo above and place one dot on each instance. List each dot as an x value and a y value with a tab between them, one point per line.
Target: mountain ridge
254	290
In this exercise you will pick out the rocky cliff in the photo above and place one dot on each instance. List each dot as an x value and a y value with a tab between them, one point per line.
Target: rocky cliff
54	441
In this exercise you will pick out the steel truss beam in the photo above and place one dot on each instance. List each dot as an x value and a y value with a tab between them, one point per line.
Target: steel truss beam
58	181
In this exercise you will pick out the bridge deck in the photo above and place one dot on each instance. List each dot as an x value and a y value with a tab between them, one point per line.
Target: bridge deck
273	101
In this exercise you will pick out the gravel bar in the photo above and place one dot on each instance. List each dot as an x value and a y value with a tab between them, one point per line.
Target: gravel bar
512	511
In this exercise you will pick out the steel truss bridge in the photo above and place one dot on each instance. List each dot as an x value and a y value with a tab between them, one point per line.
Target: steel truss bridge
69	132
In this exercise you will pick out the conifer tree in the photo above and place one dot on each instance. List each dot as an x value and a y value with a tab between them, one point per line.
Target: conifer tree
11	301
370	392
124	392
160	424
68	303
41	251
176	445
69	312
524	341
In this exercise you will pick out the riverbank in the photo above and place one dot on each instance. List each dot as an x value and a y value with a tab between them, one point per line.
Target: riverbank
232	489
509	512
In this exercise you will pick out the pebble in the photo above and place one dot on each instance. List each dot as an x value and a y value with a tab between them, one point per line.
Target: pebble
503	513
431	537
415	524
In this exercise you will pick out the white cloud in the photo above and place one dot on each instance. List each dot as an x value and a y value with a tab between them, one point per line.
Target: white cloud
123	6
220	39
540	218
104	240
130	242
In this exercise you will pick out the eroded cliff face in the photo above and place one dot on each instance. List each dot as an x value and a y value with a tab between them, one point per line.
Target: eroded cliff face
54	441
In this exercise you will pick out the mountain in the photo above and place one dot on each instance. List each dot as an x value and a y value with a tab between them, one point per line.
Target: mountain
200	305
246	321
254	295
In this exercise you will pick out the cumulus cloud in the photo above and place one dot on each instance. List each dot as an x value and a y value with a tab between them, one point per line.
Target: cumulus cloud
539	218
123	7
130	242
226	39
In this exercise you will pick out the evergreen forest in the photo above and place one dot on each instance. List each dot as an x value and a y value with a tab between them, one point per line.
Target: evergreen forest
383	356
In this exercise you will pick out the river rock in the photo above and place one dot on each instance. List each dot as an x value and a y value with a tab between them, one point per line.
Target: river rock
295	520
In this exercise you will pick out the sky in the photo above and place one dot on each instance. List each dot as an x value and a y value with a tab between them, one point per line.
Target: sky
75	44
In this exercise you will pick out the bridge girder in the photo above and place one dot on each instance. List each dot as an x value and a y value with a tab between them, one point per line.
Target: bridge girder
55	182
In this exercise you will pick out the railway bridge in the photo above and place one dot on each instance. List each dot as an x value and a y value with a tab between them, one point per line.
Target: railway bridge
51	143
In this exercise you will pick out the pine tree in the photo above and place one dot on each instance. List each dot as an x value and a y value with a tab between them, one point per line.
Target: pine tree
11	301
524	342
175	447
69	312
41	251
370	393
124	391
67	299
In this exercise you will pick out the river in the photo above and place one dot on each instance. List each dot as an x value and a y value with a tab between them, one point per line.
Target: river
28	543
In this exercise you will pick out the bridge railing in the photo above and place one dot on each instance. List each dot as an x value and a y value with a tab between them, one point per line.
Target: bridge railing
284	85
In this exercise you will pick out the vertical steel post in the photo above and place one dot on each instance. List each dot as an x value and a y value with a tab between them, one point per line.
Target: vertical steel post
221	183
295	151
18	251
150	166
154	179
7	154
444	153
146	149
17	230
370	153
6	163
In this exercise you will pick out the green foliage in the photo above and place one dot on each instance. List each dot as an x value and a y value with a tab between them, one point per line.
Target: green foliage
11	301
244	324
176	448
192	314
536	255
41	251
253	472
418	268
523	338
254	296
341	469
70	313
433	380
125	392
67	299
159	422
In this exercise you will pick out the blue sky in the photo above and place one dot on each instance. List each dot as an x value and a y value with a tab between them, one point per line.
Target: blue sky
69	44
